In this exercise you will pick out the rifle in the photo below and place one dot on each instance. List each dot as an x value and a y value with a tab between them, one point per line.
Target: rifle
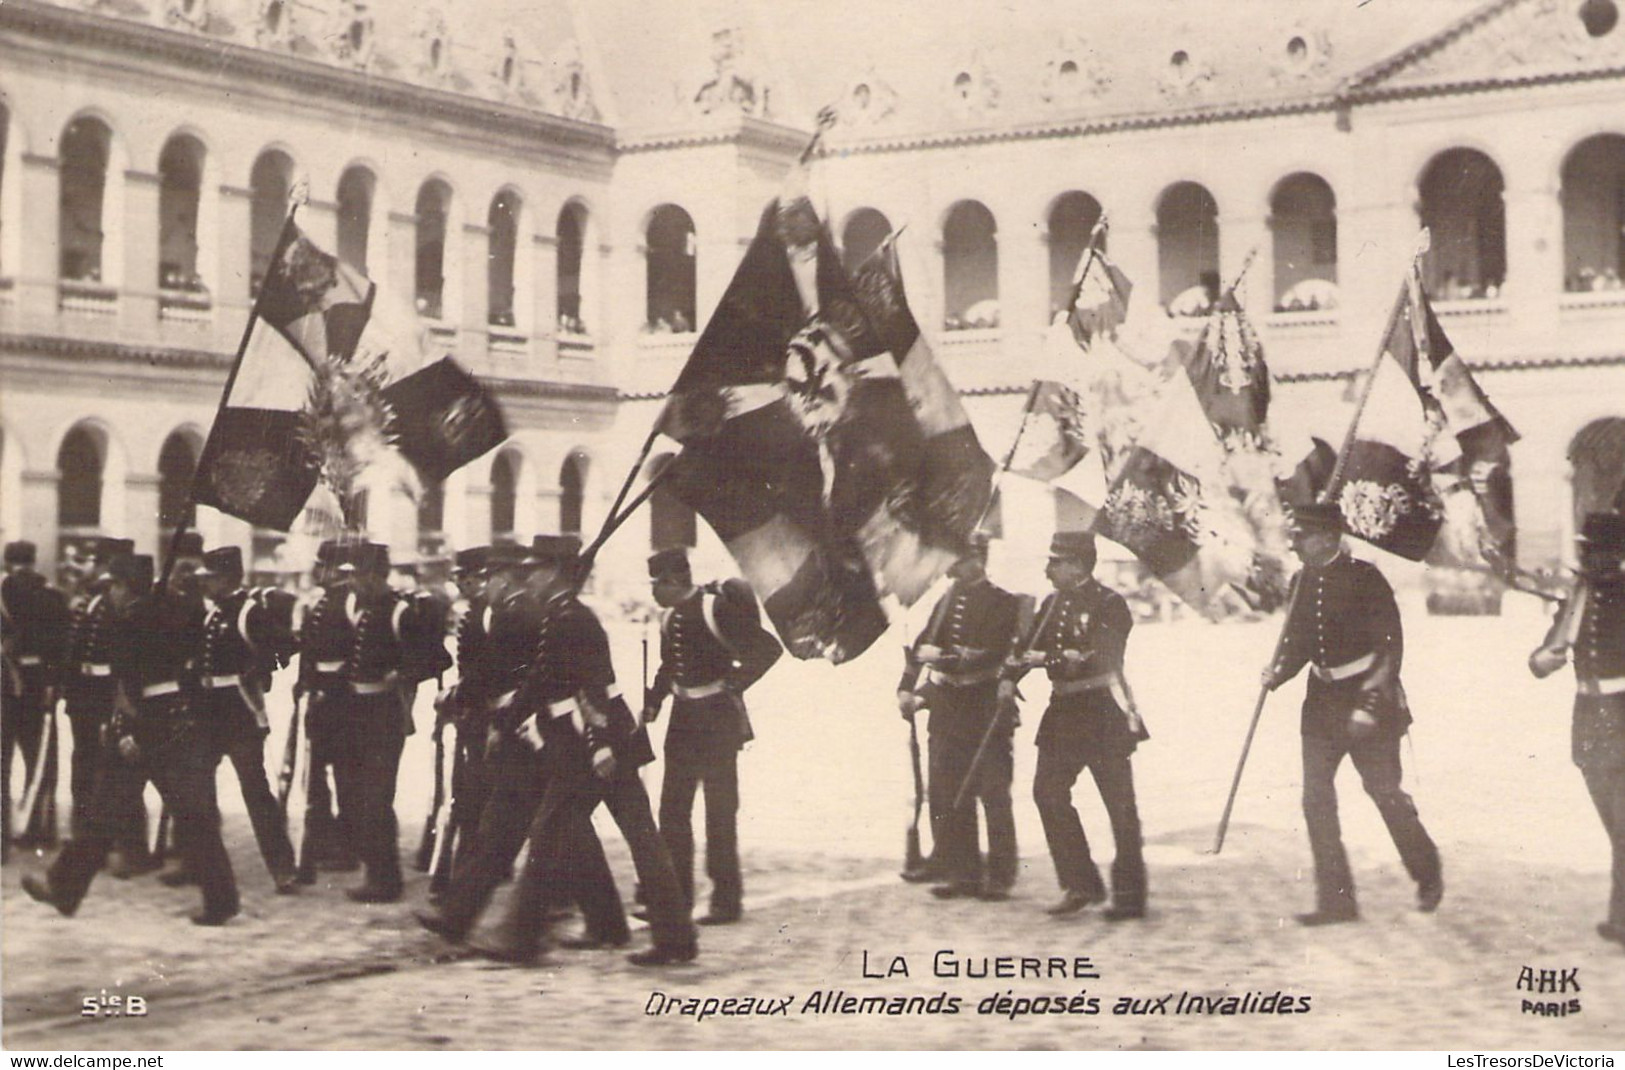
290	758
445	791
428	846
913	857
999	709
31	797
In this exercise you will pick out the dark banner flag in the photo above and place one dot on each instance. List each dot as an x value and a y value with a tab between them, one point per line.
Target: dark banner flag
955	478
318	373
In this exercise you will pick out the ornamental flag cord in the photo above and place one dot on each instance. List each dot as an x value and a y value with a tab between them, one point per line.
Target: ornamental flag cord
801	447
323	387
1402	475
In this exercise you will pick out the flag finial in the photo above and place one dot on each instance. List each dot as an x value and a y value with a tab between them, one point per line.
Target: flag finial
1424	242
299	192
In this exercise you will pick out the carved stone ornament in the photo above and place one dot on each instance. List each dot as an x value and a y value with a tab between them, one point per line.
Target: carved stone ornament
273	23
1542	35
186	14
350	38
972	87
433	44
1305	53
1073	74
570	92
868	100
1185	76
733	86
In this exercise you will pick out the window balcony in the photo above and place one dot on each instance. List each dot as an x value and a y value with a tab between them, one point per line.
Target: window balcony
1472	308
84	297
185	305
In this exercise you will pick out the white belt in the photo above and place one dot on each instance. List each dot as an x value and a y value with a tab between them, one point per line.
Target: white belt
715	687
1078	687
568	708
1346	670
26	660
504	700
168	687
369	687
330	666
965	679
212	682
95	670
1613	685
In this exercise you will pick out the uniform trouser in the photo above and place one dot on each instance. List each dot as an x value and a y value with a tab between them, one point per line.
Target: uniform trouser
566	859
1059	765
23	716
713	765
366	762
956	849
90	709
1607	787
180	761
238	737
1376	757
471	787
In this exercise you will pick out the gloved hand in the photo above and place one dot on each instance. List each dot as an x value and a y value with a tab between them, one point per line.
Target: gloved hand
1547	660
603	763
129	749
1362	724
909	703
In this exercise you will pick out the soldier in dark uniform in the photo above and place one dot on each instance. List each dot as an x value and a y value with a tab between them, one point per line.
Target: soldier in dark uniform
235	659
569	710
397	645
953	670
1593	632
324	642
157	735
712	648
462	709
33	627
89	688
1345	625
1079	639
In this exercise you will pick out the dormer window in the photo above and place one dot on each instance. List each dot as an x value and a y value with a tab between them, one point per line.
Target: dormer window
273	18
962	85
1180	61
357	35
1599	17
1297	51
508	70
437	55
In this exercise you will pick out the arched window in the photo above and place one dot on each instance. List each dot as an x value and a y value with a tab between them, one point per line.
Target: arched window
1303	221
671	521
433	210
269	182
1594	215
79	464
671	270
864	231
432	519
86	145
176	463
572	485
6	225
1462	205
572	234
503	221
504	496
1071	221
970	267
180	180
1188	247
356	191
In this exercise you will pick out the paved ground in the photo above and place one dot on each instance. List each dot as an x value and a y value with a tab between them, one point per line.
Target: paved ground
826	794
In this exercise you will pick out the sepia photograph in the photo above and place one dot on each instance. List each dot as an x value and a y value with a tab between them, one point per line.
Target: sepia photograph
732	525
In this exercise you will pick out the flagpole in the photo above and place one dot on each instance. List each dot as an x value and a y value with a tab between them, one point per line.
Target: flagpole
614	521
1324	496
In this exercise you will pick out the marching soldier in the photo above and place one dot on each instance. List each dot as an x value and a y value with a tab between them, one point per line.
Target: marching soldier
33	626
1591	627
1345	626
567	712
156	735
959	655
1079	639
397	645
324	643
89	687
235	659
712	648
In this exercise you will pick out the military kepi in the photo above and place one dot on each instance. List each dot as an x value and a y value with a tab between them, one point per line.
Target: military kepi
670	562
1316	516
1072	545
21	552
223	561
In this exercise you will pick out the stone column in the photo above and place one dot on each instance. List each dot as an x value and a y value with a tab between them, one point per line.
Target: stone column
1534	283
475	327
141	511
39	492
40	255
402	247
231	289
138	302
544	335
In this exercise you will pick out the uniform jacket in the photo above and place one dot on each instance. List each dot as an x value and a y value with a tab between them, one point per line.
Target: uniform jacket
92	641
571	693
33	627
713	636
1598	654
325	642
1093	620
974	625
1343	613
